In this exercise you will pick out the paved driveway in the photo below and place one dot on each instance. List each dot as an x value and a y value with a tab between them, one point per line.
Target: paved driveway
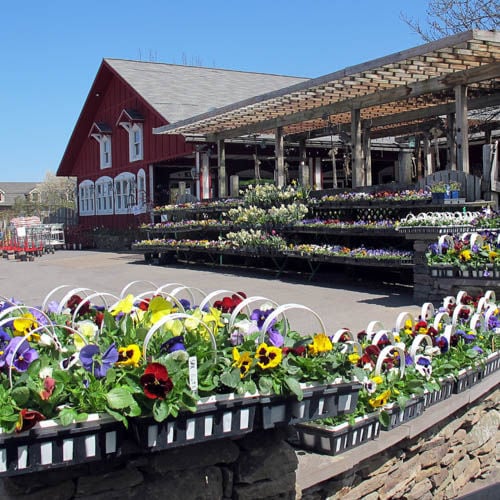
338	302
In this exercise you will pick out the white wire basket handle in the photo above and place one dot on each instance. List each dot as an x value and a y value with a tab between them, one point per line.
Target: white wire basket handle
427	311
403	318
458	309
449	301
461	296
448	332
280	310
417	344
168	285
347	345
482	304
246	303
373	327
445	239
386	351
100	295
381	333
190	290
178	316
48	297
477	321
488	314
441	317
340	333
490	295
207	300
74	291
476	239
125	289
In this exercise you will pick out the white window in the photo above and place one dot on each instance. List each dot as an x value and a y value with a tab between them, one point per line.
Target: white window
135	140
86	198
125	193
104	141
104	196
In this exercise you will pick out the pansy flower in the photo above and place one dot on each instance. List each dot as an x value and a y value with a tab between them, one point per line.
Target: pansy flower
28	419
242	361
159	307
321	343
423	366
49	384
129	356
124	306
268	356
243	328
380	400
74	303
176	343
4	342
155	381
24	325
19	354
87	330
93	362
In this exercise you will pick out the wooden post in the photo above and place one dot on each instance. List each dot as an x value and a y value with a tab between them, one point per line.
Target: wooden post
427	156
197	179
451	144
221	153
234	183
317	178
205	177
279	172
462	128
404	166
357	151
367	156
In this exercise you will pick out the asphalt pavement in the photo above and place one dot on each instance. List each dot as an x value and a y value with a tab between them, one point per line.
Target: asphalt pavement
334	301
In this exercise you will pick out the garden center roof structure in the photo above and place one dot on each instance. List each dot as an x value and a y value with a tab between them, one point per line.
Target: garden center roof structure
383	97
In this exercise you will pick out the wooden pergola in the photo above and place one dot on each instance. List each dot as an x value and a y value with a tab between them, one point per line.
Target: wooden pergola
384	97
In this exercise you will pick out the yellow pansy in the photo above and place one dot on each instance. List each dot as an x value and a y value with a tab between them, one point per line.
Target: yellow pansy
214	316
377	379
243	361
87	330
354	357
380	400
124	306
129	356
268	356
159	307
321	343
465	255
24	326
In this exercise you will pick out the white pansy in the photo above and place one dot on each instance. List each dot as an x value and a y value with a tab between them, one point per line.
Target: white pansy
46	371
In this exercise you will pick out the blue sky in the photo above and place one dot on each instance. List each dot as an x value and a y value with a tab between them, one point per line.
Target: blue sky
52	51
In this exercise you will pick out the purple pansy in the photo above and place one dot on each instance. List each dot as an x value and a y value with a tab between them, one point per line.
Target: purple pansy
174	344
19	354
4	342
96	364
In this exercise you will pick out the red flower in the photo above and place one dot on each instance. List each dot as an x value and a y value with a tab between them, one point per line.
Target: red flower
75	301
144	304
28	419
298	351
155	381
227	304
99	318
49	384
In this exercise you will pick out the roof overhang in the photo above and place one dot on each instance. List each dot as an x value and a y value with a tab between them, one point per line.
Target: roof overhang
420	81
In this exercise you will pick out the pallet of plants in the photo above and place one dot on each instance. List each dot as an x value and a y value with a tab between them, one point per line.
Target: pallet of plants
82	374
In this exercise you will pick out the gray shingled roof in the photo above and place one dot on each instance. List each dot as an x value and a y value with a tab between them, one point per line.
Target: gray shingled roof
13	190
180	92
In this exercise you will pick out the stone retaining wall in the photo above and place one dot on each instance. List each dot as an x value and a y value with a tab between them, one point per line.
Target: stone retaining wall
435	465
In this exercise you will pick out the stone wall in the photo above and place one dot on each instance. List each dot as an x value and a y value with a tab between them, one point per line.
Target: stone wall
259	466
435	465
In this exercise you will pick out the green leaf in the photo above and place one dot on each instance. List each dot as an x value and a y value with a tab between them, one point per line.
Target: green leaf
265	385
384	418
231	379
119	398
21	395
111	375
67	416
81	417
294	387
160	410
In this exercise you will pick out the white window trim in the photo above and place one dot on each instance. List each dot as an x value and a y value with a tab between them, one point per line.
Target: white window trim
141	206
103	139
125	193
86	201
104	196
131	128
2	196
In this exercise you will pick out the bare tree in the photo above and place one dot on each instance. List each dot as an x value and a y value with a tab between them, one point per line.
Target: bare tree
447	17
58	191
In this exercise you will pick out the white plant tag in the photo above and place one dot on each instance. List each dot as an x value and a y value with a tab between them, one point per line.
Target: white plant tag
193	373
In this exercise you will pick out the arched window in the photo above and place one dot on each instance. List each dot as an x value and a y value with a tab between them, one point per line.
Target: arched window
125	193
86	198
104	196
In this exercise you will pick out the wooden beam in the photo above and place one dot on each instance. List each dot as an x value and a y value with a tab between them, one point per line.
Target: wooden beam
403	92
451	146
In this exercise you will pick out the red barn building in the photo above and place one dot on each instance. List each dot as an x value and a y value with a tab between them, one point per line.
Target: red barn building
122	168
